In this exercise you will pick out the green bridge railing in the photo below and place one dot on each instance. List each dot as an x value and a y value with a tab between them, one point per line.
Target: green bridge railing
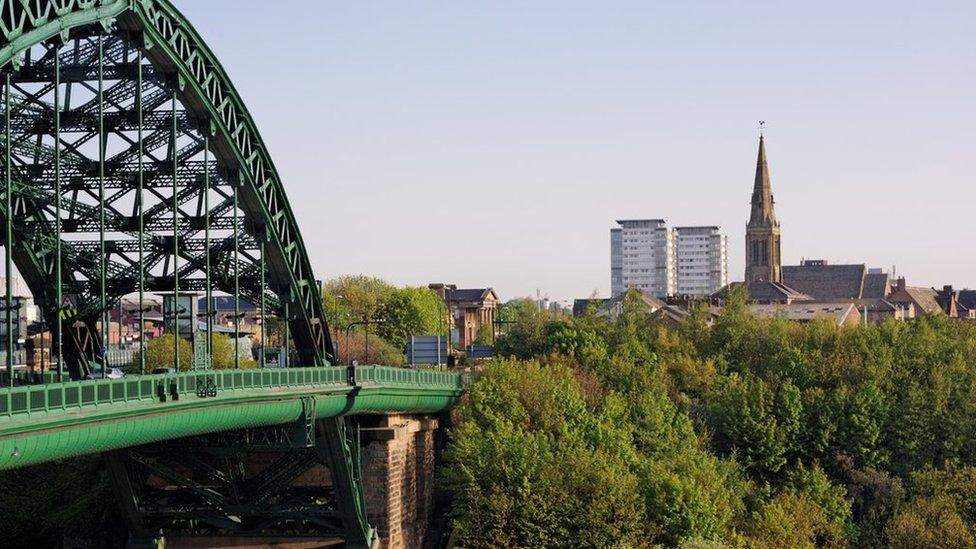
42	399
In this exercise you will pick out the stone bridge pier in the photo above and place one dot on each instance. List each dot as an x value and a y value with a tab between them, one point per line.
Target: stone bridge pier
398	461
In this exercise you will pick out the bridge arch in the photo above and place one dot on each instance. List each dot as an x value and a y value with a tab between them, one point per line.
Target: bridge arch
188	196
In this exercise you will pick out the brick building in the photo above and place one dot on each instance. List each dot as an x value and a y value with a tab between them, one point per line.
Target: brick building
469	310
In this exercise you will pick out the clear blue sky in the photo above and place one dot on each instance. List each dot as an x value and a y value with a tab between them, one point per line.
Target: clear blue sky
493	143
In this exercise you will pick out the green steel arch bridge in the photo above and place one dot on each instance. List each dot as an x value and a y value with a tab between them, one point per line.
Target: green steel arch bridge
131	166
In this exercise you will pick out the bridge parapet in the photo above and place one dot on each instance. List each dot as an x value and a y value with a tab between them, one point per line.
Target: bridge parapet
55	421
25	401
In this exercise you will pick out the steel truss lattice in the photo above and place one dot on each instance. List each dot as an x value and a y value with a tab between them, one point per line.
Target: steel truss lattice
136	168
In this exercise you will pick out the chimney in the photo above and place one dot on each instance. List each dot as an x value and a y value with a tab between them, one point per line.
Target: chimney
899	285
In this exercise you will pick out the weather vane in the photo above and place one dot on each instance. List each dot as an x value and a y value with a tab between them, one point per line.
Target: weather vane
762	126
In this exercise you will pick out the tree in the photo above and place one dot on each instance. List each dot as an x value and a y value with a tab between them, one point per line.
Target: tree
486	334
352	347
160	353
521	474
410	312
750	419
930	522
794	520
353	298
404	312
222	354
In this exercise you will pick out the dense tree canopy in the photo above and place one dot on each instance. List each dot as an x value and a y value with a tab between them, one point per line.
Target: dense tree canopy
751	432
394	313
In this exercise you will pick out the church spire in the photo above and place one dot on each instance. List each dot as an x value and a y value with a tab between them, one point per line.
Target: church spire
762	192
763	259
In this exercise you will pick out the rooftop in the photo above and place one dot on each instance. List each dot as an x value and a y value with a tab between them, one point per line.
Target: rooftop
823	281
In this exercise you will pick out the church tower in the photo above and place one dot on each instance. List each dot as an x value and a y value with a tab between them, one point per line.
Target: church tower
763	260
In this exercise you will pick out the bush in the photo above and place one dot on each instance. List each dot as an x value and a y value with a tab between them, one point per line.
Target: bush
160	354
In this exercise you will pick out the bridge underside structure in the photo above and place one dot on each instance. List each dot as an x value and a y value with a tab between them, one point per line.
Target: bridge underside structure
273	453
131	166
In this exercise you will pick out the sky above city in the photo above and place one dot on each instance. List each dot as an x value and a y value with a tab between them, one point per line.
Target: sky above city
494	143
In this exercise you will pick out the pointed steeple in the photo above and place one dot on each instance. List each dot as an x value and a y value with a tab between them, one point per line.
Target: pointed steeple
762	192
763	260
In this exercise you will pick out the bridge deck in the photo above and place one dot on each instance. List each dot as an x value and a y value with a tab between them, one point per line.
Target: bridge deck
48	422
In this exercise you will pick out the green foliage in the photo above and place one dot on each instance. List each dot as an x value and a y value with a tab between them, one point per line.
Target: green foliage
223	354
523	473
749	432
930	522
793	520
160	353
486	335
409	312
757	422
404	311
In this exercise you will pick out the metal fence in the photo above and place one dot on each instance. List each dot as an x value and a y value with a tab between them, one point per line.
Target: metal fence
479	351
120	358
31	399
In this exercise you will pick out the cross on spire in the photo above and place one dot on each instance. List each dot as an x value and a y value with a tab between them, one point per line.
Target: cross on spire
762	126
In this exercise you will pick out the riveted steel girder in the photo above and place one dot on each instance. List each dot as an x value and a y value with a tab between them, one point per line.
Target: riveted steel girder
39	38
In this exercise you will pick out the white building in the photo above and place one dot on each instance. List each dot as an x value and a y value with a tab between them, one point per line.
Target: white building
642	256
702	260
647	255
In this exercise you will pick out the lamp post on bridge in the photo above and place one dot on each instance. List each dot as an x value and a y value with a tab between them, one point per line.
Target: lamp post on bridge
366	321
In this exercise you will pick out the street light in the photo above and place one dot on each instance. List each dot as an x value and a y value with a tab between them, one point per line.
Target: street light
335	308
366	321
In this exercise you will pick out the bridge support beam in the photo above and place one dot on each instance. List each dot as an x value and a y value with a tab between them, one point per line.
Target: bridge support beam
269	484
398	476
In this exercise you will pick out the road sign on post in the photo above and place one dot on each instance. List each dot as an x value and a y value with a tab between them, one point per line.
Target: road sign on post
427	350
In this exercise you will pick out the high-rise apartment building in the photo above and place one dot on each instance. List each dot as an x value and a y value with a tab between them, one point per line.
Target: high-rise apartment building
701	254
642	256
648	255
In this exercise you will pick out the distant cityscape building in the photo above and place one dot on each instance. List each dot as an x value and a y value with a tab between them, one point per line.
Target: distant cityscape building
701	254
673	266
823	281
642	257
469	310
815	288
648	255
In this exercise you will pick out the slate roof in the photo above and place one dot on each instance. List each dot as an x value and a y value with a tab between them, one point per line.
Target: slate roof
671	313
924	298
761	290
826	281
469	294
612	306
774	291
805	312
967	298
876	286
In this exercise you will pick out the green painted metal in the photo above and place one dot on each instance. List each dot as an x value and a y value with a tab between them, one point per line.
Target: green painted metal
8	239
339	448
55	421
49	422
212	104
